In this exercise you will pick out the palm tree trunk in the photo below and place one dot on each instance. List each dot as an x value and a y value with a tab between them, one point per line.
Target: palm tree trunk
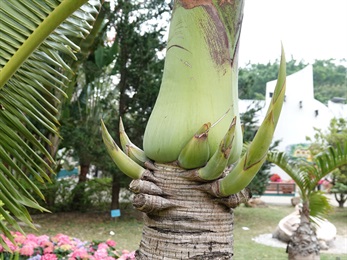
304	244
183	223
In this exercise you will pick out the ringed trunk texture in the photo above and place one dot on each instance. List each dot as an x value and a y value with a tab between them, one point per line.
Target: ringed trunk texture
304	244
183	223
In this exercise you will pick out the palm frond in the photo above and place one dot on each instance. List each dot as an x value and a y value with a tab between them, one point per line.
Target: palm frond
283	161
319	205
37	39
331	158
306	175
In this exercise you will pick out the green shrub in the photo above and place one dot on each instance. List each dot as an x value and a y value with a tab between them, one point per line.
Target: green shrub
60	193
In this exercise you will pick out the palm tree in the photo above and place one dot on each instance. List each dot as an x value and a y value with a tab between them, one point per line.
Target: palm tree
306	175
191	171
39	39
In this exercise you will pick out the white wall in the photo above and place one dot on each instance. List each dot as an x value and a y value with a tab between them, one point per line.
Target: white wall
300	112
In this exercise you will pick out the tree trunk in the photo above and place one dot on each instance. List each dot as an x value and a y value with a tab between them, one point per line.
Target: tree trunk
341	201
115	192
78	201
183	223
83	174
304	244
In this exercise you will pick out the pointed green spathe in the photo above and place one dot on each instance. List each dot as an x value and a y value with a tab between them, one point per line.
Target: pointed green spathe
244	171
124	163
131	150
216	165
197	151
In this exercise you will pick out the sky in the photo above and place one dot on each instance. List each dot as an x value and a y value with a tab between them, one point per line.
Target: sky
308	29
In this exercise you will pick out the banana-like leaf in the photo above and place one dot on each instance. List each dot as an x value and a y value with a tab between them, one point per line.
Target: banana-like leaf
38	40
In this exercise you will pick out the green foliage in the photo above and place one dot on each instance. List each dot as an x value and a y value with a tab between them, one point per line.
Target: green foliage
329	78
1	216
97	195
339	187
253	77
335	135
34	38
320	206
137	64
132	58
119	78
306	175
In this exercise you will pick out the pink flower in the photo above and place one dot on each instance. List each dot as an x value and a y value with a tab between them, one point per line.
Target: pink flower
111	243
33	246
126	255
43	240
27	250
81	253
46	243
66	247
61	239
48	249
11	246
102	246
49	257
19	238
101	253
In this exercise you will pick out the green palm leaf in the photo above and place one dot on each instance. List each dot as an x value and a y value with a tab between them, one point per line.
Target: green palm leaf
38	40
306	175
288	165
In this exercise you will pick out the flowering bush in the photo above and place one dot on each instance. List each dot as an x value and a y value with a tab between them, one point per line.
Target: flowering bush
275	178
43	247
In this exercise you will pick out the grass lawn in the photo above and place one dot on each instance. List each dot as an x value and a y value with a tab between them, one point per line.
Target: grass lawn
127	229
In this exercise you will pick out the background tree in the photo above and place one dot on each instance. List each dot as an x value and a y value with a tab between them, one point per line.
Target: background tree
335	135
306	175
253	77
329	78
120	78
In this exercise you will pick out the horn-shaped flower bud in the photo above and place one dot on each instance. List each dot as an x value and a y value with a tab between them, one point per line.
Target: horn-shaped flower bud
216	165
130	149
243	173
124	163
197	151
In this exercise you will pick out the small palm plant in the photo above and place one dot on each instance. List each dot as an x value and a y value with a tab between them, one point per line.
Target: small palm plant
306	175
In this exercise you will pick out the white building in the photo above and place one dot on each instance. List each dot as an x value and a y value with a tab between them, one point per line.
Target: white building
301	113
